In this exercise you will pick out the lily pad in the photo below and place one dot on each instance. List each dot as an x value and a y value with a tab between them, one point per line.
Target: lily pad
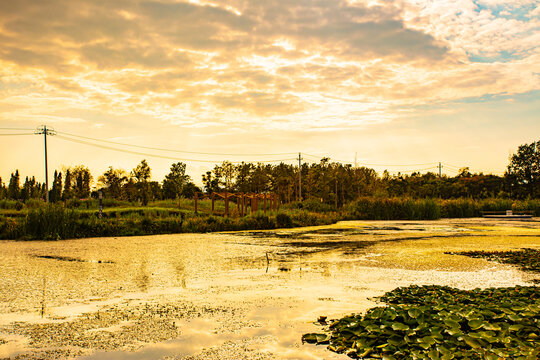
439	322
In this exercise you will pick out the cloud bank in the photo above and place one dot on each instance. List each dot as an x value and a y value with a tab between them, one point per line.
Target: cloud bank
295	64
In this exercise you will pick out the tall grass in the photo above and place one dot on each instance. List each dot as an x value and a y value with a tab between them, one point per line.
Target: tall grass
394	209
55	222
429	209
52	222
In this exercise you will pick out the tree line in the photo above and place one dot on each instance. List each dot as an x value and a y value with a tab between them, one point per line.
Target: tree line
327	182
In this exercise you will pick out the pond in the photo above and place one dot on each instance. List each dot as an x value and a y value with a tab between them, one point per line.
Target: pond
240	295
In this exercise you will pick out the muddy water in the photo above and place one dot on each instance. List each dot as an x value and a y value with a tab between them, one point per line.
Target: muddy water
244	295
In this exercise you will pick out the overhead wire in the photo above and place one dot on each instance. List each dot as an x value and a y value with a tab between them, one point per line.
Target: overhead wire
157	155
17	134
172	150
368	164
7	128
73	138
454	166
415	170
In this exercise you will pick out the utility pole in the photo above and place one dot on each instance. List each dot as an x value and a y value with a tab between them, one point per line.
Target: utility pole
43	130
440	170
299	176
355	155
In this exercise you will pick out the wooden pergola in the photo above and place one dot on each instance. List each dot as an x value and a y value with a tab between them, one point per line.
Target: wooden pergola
243	201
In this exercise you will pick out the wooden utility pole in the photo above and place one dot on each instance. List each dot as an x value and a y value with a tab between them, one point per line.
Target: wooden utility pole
300	177
43	130
440	170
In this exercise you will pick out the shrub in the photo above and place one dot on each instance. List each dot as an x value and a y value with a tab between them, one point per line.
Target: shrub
283	220
50	223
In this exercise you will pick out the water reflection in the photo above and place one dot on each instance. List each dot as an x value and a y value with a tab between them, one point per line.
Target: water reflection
227	296
142	279
180	269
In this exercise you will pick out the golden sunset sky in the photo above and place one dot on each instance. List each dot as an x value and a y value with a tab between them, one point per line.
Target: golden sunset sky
399	82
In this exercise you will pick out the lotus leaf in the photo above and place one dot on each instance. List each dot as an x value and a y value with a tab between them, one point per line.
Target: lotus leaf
439	322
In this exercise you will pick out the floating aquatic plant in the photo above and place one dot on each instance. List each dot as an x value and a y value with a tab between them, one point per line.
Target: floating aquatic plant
527	259
439	322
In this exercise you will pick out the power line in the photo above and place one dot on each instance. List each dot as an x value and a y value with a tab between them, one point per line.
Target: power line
42	130
171	150
416	170
352	162
160	156
454	166
69	137
7	128
17	134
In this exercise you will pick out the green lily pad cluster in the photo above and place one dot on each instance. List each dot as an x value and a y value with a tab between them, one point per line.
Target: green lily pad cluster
439	322
527	259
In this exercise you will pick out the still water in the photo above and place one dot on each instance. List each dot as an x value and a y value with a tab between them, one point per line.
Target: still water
241	295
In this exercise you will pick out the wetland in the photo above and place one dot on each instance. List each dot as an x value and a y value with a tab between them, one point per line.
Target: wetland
235	295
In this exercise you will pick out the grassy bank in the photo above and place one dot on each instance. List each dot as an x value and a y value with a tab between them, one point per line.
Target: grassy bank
56	222
78	219
370	208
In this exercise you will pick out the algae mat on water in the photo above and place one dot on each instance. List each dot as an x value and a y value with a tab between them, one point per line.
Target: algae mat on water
526	259
439	322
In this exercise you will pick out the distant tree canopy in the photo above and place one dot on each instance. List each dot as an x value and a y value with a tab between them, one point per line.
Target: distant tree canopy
325	181
523	173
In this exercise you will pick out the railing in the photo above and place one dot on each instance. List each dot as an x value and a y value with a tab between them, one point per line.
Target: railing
508	213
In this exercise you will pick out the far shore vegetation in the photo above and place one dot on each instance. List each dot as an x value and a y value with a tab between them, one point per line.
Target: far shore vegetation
331	191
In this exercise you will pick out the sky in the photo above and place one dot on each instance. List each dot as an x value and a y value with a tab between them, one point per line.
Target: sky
395	84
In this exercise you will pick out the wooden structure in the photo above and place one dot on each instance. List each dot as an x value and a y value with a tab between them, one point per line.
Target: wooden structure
508	214
242	200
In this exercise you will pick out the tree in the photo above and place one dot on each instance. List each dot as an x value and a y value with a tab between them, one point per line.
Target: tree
244	171
3	189
112	182
228	173
14	186
155	190
82	181
67	193
175	181
189	190
141	174
523	174
260	178
30	190
210	182
56	189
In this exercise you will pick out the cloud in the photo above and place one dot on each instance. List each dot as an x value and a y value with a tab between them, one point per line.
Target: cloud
291	64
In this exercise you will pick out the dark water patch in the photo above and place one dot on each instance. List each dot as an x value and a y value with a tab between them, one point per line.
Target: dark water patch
72	259
309	234
350	247
526	259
